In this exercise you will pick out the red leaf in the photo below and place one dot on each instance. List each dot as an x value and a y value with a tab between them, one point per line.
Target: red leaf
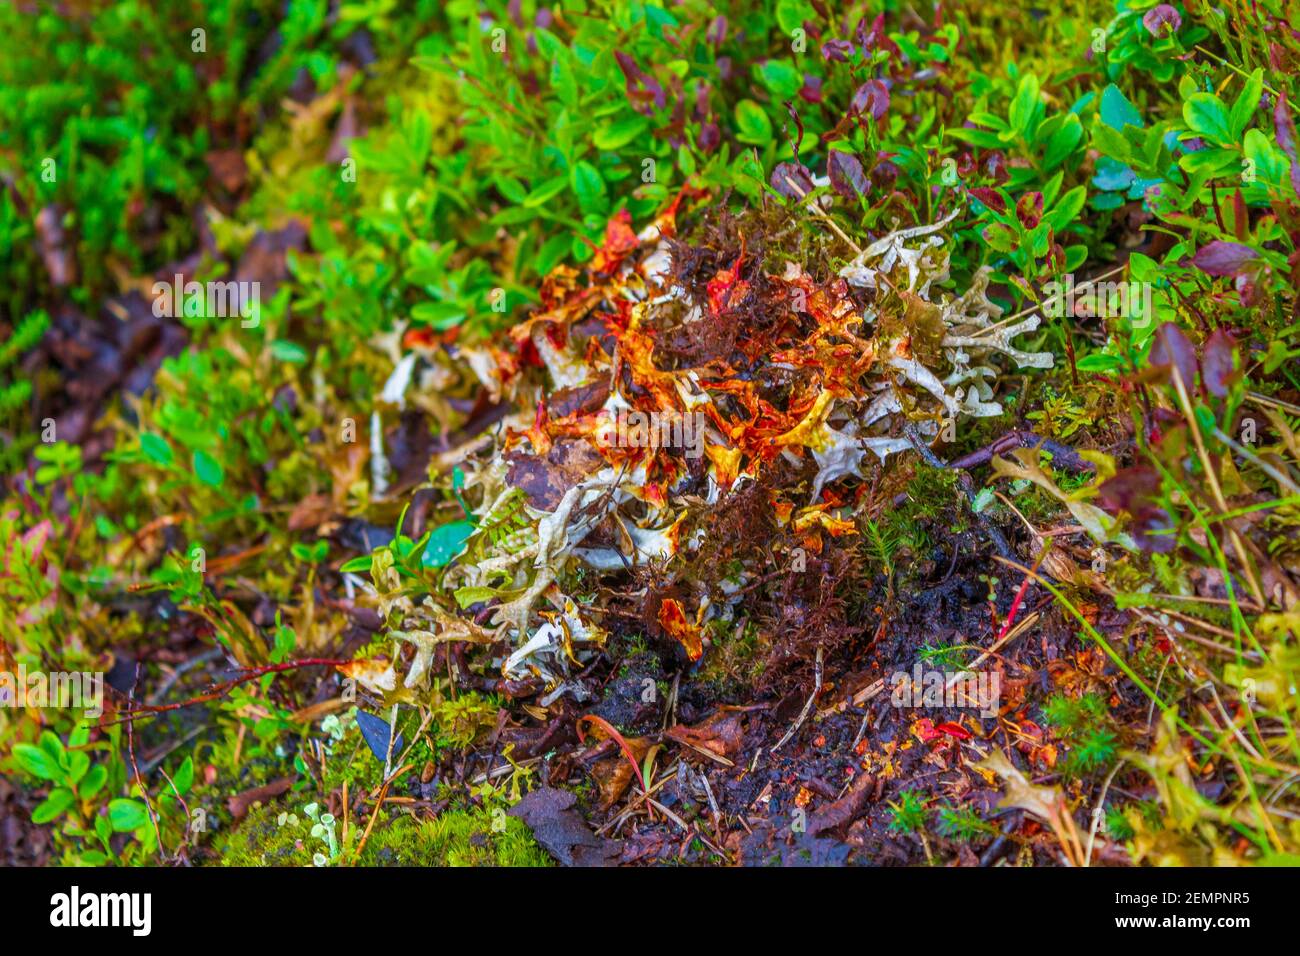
1162	20
991	198
872	97
846	175
796	173
1221	258
954	730
1029	210
1286	135
1172	350
1286	138
1217	363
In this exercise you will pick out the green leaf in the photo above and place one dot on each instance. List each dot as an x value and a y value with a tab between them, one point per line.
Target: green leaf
468	596
78	764
184	776
1205	114
976	137
356	565
54	806
1246	103
37	762
1271	164
546	191
283	350
621	133
208	469
1111	143
1024	104
1099	362
588	186
991	120
1063	141
791	15
53	746
781	78
103	829
446	542
155	448
1067	209
1000	237
438	315
752	124
510	187
93	782
1116	111
127	815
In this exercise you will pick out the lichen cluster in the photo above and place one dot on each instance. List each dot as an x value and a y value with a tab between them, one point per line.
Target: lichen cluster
668	375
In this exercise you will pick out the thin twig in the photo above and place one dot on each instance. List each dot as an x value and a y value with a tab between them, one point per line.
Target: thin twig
807	708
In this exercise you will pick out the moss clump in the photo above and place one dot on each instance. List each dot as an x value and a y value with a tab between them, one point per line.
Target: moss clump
477	837
260	840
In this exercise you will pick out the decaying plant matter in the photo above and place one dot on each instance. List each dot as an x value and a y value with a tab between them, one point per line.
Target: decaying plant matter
679	372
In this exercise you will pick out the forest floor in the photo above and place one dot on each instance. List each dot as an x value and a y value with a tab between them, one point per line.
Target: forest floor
794	499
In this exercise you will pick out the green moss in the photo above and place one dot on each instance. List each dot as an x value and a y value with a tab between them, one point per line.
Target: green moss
736	657
260	840
478	837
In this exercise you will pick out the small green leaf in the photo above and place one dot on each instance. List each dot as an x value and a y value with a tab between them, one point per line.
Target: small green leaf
752	124
184	776
446	542
78	764
792	14
1099	362
1067	208
621	133
588	186
93	782
54	806
1024	104
361	564
781	78
155	448
1205	114
127	815
1063	141
468	596
438	315
283	350
37	762
546	191
1116	111
208	469
1247	102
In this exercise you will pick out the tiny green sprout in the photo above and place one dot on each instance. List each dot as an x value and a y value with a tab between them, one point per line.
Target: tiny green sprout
61	460
311	554
961	823
908	814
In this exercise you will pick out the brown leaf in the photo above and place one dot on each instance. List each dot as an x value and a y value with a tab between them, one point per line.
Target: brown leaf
722	735
312	512
560	829
241	803
228	168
